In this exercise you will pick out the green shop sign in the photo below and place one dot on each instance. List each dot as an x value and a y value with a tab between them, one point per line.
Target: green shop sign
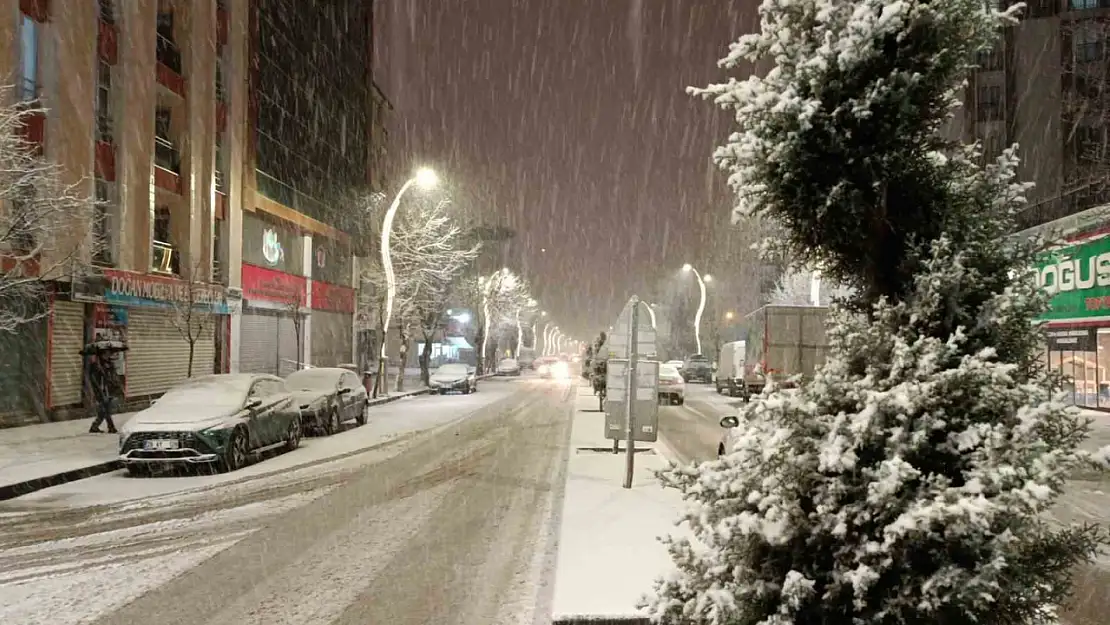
1078	279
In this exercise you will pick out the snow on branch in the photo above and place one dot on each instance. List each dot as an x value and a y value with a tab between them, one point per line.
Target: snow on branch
49	227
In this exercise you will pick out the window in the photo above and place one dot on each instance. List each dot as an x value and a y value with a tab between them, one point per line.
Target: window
989	103
1079	5
989	60
162	123
105	223
104	101
22	224
162	224
107	12
221	89
1087	43
1089	143
29	59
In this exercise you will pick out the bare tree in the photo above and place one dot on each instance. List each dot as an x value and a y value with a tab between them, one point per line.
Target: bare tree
293	306
49	228
428	254
191	315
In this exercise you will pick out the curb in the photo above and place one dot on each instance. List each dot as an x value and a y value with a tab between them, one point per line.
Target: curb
18	489
585	619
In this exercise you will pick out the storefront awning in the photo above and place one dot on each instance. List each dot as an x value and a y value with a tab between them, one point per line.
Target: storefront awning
459	342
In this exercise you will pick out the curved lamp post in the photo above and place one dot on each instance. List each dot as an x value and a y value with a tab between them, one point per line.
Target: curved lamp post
651	312
425	179
701	303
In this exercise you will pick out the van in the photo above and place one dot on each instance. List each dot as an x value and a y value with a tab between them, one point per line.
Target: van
730	368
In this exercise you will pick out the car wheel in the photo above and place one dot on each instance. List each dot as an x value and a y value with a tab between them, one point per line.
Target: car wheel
331	425
720	450
293	435
235	455
466	390
680	401
361	418
442	391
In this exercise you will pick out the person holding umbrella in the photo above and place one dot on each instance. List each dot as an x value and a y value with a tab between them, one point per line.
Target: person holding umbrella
104	382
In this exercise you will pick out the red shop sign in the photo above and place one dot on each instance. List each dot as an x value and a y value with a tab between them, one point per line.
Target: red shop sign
260	283
332	297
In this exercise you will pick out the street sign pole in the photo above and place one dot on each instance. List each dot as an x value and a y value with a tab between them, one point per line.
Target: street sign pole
630	433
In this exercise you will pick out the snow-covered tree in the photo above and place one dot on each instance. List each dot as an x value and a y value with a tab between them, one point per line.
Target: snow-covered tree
48	226
428	255
501	296
795	288
908	482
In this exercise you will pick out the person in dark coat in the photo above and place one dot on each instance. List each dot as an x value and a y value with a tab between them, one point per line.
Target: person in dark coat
104	382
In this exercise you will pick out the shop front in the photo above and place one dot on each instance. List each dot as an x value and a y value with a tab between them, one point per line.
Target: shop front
332	303
173	330
272	325
1077	329
271	331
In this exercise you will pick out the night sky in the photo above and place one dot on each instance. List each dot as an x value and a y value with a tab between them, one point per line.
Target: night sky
568	121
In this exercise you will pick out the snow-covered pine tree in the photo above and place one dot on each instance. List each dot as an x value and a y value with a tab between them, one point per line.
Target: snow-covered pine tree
907	483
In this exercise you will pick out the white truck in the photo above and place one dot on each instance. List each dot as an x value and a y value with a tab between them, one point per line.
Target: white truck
783	341
730	368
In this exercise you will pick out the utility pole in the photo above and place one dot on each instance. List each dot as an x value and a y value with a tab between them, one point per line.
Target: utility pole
630	433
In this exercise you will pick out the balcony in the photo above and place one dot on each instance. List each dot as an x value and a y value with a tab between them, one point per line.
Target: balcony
164	259
167	173
169	66
107	42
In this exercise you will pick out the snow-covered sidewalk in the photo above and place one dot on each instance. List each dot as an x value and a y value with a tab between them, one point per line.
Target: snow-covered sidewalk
33	457
608	553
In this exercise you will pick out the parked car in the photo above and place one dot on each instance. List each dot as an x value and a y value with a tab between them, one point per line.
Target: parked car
216	419
730	424
508	366
672	388
326	397
731	373
454	377
696	368
677	364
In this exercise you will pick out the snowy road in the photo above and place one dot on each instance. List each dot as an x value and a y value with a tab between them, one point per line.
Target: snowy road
693	431
451	525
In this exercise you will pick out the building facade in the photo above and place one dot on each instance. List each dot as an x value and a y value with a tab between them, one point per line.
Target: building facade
220	138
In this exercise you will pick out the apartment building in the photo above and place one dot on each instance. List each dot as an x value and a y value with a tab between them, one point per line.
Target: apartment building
1046	86
222	138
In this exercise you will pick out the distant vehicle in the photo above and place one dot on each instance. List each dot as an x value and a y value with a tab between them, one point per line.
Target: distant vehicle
557	370
526	357
672	388
216	419
697	368
784	341
327	397
508	366
731	373
677	364
729	437
454	377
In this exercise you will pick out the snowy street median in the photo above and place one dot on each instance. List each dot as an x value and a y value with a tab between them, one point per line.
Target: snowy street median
609	554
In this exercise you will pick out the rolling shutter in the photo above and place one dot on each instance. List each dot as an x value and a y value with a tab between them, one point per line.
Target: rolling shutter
258	351
288	344
331	339
158	355
67	337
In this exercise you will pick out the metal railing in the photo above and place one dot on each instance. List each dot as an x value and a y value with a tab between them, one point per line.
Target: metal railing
168	54
220	180
163	258
104	128
166	155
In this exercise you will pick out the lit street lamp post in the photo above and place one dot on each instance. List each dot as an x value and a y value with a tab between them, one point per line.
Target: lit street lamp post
701	303
426	179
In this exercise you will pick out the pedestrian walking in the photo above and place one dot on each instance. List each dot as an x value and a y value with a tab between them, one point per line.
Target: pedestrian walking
104	382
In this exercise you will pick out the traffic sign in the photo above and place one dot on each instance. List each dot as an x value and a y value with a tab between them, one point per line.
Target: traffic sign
618	340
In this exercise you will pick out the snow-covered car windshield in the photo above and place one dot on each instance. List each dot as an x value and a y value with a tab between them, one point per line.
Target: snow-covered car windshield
457	370
508	362
211	392
668	371
312	380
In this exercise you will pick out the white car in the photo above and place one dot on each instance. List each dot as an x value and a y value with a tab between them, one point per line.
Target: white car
672	388
729	424
327	396
219	419
454	377
508	366
677	364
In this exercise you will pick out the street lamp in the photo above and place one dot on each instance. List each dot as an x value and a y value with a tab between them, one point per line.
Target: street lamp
651	313
701	303
425	179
